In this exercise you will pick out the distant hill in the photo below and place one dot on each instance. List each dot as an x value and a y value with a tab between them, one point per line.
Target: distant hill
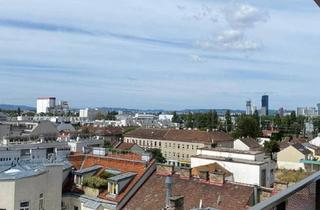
15	107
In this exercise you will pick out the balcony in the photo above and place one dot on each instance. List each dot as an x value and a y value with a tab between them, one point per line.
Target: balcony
303	195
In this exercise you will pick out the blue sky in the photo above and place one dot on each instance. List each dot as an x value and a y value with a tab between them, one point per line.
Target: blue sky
174	55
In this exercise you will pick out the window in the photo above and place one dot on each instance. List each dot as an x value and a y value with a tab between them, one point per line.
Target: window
155	144
41	201
75	208
187	155
178	146
169	144
182	146
165	145
192	147
24	205
174	145
187	146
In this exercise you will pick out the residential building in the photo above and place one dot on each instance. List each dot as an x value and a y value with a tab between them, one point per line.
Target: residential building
45	104
170	188
123	175
177	146
27	132
307	111
247	144
88	114
290	157
33	152
165	117
258	167
3	117
26	185
83	145
265	105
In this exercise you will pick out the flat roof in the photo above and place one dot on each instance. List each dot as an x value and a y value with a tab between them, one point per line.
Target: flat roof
234	160
231	150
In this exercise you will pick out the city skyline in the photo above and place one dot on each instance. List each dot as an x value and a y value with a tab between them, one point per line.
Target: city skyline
216	54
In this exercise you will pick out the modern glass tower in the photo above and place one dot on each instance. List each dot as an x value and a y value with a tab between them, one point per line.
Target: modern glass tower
265	105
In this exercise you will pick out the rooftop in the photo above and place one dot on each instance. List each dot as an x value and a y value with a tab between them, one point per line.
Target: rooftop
231	150
227	197
180	135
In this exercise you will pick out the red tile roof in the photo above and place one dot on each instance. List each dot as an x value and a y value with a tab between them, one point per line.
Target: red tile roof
180	135
121	162
125	146
151	195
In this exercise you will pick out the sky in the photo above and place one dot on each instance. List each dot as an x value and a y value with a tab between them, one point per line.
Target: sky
168	54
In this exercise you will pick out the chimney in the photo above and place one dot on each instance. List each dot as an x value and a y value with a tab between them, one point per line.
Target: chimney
185	173
165	170
169	182
204	176
176	203
217	178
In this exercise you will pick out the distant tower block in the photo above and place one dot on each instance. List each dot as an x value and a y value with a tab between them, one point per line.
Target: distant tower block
249	108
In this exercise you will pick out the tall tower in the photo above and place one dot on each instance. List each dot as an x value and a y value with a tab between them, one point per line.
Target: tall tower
249	108
265	105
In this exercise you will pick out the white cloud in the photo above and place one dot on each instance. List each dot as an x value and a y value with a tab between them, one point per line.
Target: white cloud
244	15
196	58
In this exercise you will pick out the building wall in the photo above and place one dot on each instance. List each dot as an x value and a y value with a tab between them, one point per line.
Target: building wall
174	151
289	158
238	144
252	173
217	153
7	192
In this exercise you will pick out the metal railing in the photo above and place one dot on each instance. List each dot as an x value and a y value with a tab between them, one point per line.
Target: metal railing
303	195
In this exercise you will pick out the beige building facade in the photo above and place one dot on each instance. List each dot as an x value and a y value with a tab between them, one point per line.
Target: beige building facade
177	146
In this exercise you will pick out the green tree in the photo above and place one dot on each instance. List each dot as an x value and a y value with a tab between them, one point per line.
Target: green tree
156	153
215	119
228	121
189	122
247	127
271	147
174	117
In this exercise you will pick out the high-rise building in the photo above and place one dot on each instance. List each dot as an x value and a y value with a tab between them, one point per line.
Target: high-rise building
265	105
281	112
318	106
249	108
45	104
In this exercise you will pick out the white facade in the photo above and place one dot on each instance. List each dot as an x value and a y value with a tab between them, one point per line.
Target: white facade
165	117
34	189
44	105
88	114
316	141
238	144
307	111
79	144
247	167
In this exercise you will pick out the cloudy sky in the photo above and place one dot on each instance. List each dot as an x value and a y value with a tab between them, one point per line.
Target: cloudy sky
170	54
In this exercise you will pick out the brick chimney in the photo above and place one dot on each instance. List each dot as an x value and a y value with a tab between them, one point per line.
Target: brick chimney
176	203
165	170
185	173
217	178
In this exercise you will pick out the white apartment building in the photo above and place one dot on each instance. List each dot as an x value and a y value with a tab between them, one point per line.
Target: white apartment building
27	186
247	167
80	145
45	104
33	152
88	114
307	111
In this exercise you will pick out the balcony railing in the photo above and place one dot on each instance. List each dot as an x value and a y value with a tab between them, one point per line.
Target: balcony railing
303	195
